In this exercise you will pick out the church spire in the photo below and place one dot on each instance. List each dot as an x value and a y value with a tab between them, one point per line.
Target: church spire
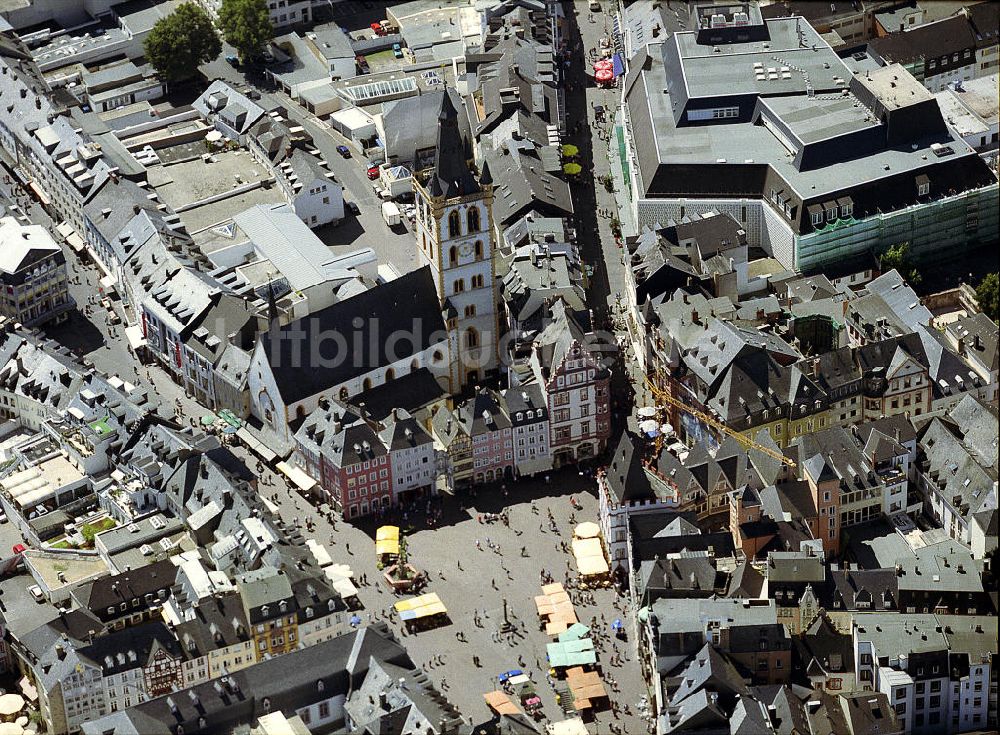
451	165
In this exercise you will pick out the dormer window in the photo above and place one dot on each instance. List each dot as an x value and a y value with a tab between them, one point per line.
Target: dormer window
923	185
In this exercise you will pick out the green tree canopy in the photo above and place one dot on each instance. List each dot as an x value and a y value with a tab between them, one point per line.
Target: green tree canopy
987	295
177	44
898	257
246	25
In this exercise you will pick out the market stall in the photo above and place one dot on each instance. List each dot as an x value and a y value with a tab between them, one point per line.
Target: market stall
574	633
591	562
555	610
423	612
500	704
567	654
586	688
387	542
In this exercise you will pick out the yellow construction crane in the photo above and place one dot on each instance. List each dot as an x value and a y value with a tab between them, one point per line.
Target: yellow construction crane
661	395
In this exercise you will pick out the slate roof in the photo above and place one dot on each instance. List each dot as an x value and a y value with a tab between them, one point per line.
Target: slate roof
958	473
927	41
482	414
709	670
522	399
142	640
534	278
412	392
286	683
411	125
985	21
862	713
342	434
522	185
794	567
402	431
876	587
788	501
689	576
452	175
842	457
235	108
409	302
626	478
218	623
745	582
265	587
117	589
978	335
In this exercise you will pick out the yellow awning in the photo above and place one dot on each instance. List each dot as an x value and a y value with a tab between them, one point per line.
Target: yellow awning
387	547
420	607
387	540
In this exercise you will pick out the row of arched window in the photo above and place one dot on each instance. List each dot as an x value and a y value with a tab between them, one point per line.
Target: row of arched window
477	282
455	222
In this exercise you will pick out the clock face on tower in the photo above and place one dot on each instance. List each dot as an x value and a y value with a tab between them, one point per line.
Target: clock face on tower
464	249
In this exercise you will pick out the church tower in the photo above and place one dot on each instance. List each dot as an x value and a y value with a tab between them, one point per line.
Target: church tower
455	238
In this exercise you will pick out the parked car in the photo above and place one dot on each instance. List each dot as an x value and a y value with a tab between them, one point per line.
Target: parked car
3	517
233	61
36	593
362	64
377	29
373	171
353	208
18	548
397	51
344	151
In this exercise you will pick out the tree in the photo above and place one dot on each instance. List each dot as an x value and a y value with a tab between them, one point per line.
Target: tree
177	44
987	294
246	24
898	257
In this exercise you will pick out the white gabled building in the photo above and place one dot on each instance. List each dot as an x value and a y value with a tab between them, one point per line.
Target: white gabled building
411	456
529	420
